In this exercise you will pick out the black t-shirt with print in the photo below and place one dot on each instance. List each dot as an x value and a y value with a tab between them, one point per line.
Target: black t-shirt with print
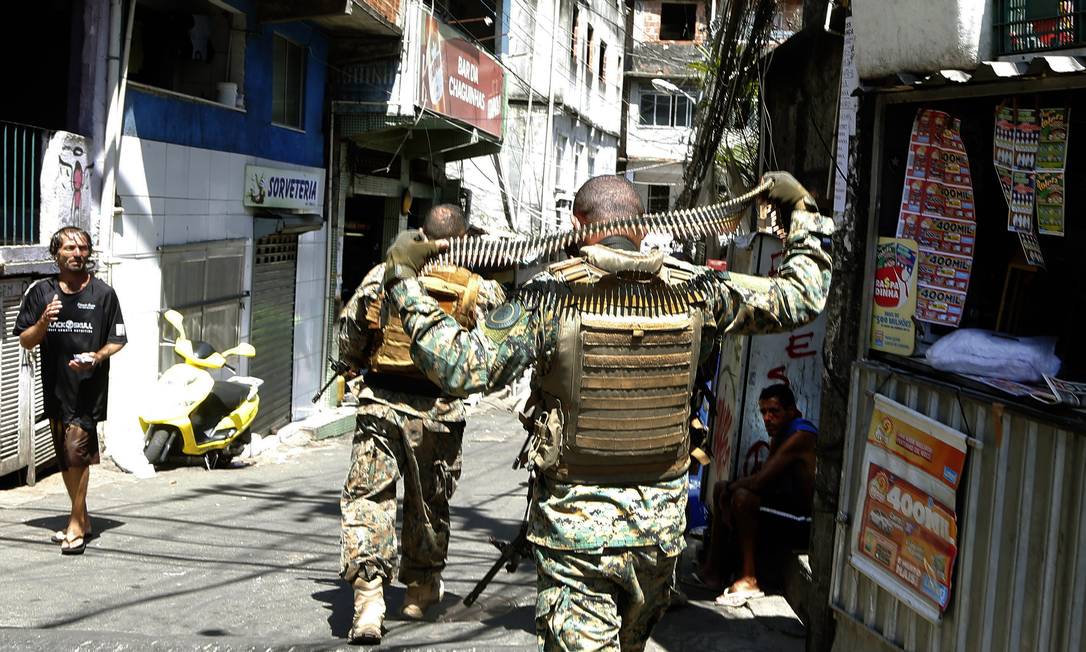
87	320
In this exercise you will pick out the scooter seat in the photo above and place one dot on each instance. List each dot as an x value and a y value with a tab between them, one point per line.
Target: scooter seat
231	395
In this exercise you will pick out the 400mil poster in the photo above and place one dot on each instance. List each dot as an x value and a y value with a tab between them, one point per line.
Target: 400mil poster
905	532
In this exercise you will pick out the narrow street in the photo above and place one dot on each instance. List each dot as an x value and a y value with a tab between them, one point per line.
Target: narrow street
247	558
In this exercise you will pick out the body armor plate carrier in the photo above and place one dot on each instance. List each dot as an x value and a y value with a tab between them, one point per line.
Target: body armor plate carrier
620	385
457	292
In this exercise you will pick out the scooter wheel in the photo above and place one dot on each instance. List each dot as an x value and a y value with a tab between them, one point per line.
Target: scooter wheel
155	450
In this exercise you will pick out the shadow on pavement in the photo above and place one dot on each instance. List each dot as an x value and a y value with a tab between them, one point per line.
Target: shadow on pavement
52	524
339	601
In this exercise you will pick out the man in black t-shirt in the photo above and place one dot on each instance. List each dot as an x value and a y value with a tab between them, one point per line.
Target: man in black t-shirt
76	318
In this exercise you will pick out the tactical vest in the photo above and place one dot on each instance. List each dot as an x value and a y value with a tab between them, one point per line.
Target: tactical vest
456	291
616	396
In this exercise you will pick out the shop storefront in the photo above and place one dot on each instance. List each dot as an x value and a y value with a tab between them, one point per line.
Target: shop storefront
401	113
962	521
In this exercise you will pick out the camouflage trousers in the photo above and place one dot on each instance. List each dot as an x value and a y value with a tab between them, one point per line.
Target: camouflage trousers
426	454
608	601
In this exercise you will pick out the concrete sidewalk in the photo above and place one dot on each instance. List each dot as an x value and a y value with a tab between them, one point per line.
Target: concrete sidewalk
247	558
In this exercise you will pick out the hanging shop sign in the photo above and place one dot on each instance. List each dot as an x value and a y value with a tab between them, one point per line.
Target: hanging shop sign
892	326
938	212
290	189
458	80
905	533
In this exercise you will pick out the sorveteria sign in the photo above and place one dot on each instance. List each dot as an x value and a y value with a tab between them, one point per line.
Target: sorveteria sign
292	189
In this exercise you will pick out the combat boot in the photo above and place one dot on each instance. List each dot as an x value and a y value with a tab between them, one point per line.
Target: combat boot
419	597
369	611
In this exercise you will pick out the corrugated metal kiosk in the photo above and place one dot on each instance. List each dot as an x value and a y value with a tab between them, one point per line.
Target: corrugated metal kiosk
272	328
1019	578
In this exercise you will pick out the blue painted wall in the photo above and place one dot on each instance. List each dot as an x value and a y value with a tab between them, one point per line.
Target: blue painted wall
174	120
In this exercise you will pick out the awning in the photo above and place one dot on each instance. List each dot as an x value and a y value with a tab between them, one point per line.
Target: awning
429	137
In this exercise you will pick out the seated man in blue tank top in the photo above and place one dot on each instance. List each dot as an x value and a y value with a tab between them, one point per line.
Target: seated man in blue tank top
784	485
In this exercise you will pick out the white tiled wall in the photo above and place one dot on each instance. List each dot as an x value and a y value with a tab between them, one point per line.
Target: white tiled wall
174	195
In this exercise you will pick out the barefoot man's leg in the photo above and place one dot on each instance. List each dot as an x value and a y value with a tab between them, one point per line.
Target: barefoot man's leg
744	512
76	481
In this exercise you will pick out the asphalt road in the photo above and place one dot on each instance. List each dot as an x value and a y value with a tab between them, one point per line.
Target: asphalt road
247	558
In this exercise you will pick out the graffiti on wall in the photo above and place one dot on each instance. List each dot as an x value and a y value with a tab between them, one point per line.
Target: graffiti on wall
66	182
793	358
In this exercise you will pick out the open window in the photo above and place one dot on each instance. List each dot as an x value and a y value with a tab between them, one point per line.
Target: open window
659	198
192	48
589	47
678	21
288	83
601	66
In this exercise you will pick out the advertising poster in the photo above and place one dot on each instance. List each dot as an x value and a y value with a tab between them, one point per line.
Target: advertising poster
938	212
459	80
946	271
1027	135
905	533
1050	193
1052	148
938	234
939	306
1051	162
1031	248
892	326
1020	217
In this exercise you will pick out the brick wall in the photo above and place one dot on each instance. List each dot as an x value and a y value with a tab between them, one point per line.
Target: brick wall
390	9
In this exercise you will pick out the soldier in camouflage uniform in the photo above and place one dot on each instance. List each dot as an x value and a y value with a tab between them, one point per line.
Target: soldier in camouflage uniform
406	428
610	439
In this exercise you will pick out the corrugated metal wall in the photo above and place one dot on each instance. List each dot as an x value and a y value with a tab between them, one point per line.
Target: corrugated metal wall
272	329
13	452
1020	576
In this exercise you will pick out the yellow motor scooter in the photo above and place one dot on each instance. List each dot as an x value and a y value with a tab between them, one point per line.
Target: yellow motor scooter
191	414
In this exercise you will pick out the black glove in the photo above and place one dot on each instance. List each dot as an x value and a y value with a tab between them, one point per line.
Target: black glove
787	193
408	253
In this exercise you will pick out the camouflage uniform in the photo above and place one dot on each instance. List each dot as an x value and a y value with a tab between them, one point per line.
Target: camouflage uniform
418	437
605	554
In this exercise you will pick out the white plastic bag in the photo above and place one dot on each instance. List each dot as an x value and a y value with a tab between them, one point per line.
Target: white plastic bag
977	352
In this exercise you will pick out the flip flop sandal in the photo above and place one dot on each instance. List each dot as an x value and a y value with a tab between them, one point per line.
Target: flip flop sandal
60	535
69	547
737	598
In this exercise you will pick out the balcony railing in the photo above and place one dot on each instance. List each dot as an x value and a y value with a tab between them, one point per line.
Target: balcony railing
1023	26
20	189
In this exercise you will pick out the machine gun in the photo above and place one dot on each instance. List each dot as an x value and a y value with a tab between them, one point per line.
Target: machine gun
340	368
512	552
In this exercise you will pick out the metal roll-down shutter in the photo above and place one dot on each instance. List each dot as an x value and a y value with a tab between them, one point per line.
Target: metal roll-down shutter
272	329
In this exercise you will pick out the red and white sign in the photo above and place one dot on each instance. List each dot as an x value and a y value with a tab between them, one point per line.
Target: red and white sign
458	80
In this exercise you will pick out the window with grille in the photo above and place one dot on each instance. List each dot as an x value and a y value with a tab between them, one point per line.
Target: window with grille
1038	25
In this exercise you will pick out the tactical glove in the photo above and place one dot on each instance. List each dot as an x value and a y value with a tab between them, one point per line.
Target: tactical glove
787	193
408	253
